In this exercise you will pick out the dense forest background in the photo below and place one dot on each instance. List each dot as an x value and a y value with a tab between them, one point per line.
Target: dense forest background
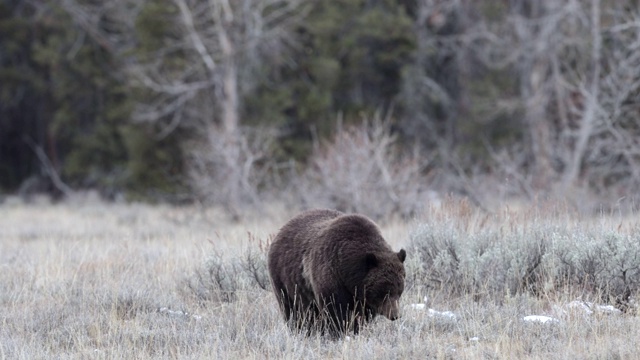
365	105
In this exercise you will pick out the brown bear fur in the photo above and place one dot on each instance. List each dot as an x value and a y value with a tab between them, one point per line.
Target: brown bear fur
332	271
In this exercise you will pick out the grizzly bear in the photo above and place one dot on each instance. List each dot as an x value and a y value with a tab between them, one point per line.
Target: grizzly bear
332	272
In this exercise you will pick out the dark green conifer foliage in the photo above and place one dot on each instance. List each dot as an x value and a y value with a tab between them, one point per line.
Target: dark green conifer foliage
349	61
63	89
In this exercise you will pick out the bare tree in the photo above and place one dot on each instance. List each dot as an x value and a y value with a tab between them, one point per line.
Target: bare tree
575	64
109	23
224	44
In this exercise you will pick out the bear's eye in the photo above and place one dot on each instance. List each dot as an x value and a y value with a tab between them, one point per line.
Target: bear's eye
393	294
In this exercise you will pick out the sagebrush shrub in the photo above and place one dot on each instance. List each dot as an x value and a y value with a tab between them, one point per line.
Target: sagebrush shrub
536	256
222	276
608	263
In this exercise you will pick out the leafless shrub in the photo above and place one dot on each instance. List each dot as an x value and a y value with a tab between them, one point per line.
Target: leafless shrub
254	262
580	112
222	277
362	170
228	169
216	282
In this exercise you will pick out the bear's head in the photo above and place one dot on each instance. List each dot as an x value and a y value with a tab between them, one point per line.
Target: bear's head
384	283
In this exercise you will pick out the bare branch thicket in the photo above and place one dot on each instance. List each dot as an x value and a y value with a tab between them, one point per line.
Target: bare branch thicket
425	89
361	170
575	68
438	101
230	170
109	23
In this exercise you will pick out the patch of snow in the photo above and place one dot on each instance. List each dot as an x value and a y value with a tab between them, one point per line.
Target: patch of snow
474	339
589	308
450	350
578	305
442	314
608	309
434	313
540	319
166	310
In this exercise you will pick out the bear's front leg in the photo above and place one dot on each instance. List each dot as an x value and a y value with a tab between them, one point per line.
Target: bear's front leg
338	312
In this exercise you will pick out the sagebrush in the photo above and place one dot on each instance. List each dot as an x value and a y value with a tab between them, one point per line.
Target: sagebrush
496	254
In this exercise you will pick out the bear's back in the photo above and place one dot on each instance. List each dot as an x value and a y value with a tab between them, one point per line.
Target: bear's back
297	236
355	231
307	226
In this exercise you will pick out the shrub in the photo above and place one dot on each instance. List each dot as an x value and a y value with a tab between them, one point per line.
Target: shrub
222	276
536	255
362	171
608	263
229	169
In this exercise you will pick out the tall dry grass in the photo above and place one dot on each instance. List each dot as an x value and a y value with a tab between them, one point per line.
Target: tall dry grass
93	280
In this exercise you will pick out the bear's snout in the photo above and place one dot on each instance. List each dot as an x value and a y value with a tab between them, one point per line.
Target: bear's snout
391	309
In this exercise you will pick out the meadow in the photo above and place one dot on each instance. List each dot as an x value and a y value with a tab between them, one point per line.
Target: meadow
91	280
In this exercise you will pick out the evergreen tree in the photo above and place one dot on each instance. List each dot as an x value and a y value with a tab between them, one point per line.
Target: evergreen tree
349	61
64	92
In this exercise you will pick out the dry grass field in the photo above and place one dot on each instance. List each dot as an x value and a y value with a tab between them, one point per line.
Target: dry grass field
88	280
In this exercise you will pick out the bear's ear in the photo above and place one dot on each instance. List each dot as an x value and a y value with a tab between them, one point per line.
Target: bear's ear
402	255
371	260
